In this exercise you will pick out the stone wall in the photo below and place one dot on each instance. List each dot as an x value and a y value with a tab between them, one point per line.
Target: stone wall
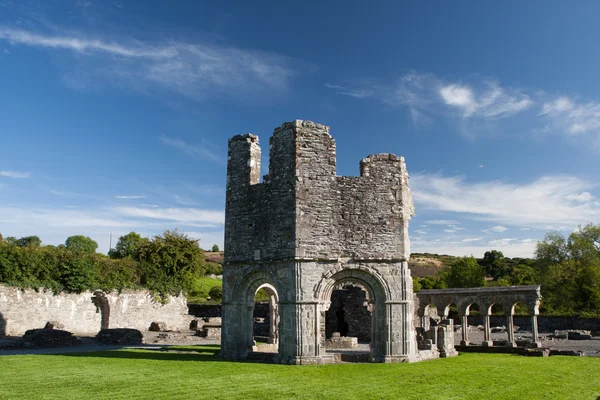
349	314
83	313
302	209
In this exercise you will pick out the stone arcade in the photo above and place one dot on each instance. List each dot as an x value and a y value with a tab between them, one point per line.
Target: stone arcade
303	232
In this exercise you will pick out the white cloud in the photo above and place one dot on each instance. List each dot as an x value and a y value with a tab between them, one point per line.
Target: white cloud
346	91
442	222
498	228
559	105
450	230
581	197
129	197
15	175
187	68
459	96
201	151
421	232
83	45
547	201
502	242
208	239
510	248
468	240
573	117
187	216
480	166
428	94
492	101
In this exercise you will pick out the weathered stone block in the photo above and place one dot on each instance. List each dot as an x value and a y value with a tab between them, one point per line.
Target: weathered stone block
120	336
49	338
157	327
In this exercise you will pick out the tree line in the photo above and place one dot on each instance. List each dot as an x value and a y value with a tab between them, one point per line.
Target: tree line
165	264
567	268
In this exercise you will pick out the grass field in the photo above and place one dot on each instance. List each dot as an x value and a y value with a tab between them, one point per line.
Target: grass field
201	288
147	374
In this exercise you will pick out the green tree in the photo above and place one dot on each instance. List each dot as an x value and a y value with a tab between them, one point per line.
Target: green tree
29	241
11	240
570	271
465	272
81	243
170	263
129	246
215	248
495	264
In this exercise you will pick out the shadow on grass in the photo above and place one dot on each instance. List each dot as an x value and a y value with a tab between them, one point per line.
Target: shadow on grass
200	353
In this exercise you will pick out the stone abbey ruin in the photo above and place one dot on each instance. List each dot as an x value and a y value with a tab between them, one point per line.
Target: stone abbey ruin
303	232
318	243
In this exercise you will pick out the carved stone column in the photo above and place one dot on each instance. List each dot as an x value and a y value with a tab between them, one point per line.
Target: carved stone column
487	332
534	332
465	331
510	330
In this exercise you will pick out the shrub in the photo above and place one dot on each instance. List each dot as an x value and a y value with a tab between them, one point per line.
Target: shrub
216	293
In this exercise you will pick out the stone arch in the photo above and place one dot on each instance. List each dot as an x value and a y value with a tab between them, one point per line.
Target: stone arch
369	278
273	312
377	294
245	293
103	307
521	306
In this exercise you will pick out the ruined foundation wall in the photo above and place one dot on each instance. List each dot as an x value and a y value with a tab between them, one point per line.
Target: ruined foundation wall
26	309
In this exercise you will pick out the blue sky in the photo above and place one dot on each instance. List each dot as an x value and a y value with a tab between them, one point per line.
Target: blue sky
115	115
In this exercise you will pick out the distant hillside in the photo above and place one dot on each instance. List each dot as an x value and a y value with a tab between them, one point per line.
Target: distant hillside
420	264
425	264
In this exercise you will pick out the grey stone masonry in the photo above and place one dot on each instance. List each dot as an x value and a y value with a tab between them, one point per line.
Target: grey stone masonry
485	297
86	313
302	232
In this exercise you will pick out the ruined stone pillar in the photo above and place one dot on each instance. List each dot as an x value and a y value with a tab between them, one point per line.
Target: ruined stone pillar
425	322
236	331
510	330
465	331
534	331
487	332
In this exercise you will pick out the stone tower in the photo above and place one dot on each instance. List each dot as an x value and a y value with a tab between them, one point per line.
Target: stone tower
304	231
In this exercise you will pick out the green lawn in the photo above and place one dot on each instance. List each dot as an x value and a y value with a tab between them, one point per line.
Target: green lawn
201	288
147	374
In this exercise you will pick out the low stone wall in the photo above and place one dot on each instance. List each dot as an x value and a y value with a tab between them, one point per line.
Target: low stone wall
86	313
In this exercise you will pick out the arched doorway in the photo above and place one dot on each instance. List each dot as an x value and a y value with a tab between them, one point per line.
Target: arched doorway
266	324
349	313
372	309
